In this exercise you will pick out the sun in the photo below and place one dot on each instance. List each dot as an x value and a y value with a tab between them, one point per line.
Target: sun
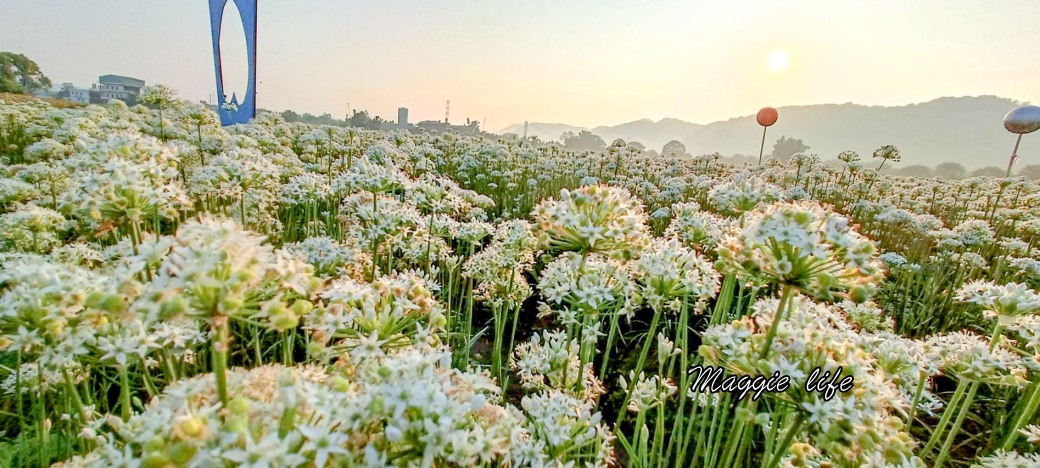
778	60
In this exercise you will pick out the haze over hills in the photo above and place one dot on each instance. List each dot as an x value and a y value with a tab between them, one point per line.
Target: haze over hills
965	130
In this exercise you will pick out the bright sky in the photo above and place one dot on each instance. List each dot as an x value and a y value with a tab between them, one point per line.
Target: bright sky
587	63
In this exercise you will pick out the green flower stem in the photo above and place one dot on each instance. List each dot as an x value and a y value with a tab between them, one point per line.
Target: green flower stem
149	383
917	399
781	309
739	438
997	329
219	357
468	323
1023	416
42	426
745	436
962	385
639	365
692	423
74	394
642	434
944	452
681	342
498	316
429	242
18	390
512	339
781	450
658	448
124	393
721	311
168	365
614	319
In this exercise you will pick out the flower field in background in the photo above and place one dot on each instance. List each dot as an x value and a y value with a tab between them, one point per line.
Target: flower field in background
176	293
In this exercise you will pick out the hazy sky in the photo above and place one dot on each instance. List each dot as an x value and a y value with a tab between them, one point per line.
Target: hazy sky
579	62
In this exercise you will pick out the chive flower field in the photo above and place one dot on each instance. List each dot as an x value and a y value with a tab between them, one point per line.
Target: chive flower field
174	293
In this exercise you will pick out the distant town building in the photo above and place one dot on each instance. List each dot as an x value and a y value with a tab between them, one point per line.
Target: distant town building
90	95
108	88
119	87
435	127
402	116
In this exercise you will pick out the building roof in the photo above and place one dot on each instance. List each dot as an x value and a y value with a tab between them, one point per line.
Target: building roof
121	80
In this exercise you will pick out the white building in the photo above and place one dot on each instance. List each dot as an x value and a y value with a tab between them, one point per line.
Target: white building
119	87
108	88
84	95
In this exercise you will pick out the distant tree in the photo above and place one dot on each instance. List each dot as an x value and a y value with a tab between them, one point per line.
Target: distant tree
66	91
637	145
673	149
361	120
19	74
1030	171
950	170
886	153
160	96
916	170
787	147
990	171
583	141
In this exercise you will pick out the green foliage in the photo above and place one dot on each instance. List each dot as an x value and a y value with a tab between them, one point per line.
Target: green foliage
916	170
951	170
583	141
19	74
1030	171
673	149
787	147
988	171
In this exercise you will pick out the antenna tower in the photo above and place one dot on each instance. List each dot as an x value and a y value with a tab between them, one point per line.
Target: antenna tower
447	109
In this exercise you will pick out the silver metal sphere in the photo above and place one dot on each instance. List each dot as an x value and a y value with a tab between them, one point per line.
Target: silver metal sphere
1024	119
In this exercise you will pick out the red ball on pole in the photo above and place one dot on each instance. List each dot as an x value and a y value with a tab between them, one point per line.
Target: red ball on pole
767	116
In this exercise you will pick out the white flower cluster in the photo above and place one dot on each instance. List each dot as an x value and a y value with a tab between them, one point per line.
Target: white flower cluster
1006	301
596	218
852	427
364	321
550	361
672	274
804	246
743	192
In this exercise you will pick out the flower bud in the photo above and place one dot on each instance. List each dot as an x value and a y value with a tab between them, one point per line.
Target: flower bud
155	460
181	453
154	444
174	306
113	303
302	307
190	427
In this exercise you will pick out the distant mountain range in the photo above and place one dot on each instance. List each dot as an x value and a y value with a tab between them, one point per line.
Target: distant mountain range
966	130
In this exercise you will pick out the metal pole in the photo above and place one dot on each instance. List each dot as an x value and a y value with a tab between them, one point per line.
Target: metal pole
763	146
1014	155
